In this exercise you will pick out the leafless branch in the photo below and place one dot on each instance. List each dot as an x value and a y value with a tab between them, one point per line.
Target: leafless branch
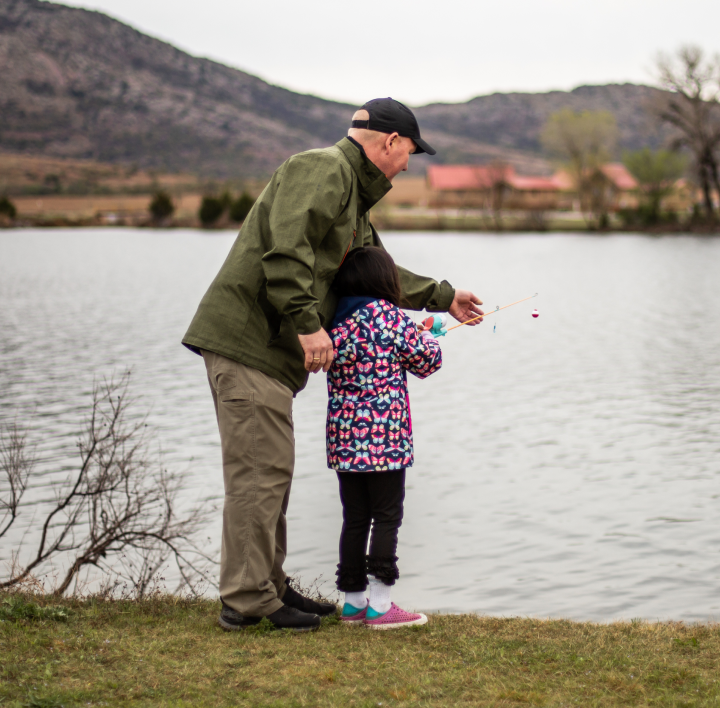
119	504
17	461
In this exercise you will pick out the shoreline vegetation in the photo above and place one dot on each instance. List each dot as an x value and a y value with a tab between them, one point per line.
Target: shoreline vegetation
38	192
169	651
131	211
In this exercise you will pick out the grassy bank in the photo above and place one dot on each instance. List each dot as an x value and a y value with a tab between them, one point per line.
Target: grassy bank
170	652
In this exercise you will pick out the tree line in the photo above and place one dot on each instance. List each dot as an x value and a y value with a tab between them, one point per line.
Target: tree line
212	208
690	105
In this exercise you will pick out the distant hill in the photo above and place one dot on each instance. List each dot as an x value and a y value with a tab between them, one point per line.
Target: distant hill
79	84
515	120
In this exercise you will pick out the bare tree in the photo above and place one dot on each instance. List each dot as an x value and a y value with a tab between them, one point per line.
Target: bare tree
116	512
583	142
692	107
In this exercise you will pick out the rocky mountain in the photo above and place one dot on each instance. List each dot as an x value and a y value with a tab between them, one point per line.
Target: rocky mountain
515	120
79	84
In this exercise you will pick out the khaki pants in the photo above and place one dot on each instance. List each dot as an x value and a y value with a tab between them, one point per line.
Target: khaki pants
254	413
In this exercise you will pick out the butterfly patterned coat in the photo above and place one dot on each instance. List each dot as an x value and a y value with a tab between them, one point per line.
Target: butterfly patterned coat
369	427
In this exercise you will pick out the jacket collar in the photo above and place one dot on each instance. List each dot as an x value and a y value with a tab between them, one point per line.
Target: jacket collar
373	184
348	306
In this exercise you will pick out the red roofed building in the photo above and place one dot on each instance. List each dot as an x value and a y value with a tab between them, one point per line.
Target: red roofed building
493	186
499	186
619	177
466	178
620	186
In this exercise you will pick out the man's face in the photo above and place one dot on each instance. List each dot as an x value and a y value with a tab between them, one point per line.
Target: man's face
391	154
396	156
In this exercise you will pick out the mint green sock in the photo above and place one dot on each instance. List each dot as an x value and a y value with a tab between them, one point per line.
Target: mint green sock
372	614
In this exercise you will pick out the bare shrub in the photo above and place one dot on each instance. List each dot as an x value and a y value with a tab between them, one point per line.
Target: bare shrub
117	512
17	460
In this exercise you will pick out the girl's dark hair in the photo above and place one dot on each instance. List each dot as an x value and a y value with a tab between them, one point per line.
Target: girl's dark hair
369	272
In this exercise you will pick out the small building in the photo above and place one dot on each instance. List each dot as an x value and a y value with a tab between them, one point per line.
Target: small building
619	185
498	186
466	186
537	193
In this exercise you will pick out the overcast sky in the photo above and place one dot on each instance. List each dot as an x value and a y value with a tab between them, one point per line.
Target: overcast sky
419	51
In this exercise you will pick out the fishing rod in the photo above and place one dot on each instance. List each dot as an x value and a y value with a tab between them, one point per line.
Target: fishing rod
436	323
492	312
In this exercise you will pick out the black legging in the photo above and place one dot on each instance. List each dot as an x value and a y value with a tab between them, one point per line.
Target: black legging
369	498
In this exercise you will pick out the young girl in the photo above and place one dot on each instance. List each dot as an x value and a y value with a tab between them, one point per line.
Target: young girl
369	430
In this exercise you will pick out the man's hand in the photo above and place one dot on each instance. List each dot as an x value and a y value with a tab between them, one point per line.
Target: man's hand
465	306
318	348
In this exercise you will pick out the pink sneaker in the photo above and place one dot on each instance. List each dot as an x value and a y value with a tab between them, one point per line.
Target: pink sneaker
351	615
393	618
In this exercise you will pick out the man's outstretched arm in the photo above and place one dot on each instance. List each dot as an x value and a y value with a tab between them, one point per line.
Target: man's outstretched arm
422	293
425	293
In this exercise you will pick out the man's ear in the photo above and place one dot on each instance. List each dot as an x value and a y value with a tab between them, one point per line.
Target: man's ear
390	140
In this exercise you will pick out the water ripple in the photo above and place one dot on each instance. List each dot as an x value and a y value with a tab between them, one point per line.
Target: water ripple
566	466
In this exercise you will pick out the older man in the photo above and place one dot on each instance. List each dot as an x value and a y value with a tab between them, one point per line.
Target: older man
260	331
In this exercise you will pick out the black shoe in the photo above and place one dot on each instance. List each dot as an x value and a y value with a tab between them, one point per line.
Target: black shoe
232	620
284	618
292	598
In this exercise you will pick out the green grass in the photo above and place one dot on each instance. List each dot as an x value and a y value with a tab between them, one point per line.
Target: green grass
171	652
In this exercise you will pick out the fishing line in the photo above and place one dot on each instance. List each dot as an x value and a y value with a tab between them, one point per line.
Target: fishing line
492	312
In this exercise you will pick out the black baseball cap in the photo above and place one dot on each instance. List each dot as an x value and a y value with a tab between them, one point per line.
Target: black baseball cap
390	116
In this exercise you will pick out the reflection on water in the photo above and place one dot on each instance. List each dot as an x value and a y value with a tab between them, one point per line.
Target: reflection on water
566	466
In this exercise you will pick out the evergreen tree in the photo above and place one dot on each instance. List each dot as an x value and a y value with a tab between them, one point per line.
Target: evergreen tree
7	208
161	206
240	208
211	209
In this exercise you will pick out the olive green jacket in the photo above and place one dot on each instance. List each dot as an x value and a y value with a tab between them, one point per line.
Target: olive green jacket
276	281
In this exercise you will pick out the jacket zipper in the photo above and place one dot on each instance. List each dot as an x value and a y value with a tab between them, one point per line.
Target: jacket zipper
348	248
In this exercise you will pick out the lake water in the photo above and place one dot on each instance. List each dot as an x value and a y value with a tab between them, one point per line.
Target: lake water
567	466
